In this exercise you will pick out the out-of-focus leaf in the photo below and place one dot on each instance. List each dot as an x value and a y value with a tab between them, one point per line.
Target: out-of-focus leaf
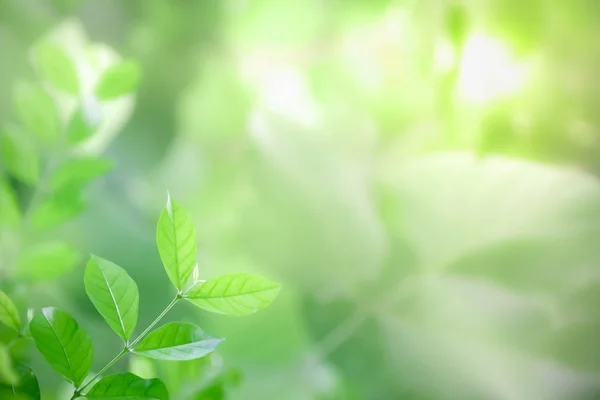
234	294
10	215
37	111
217	389
19	155
177	243
8	375
114	294
46	261
177	341
63	205
128	386
142	366
84	121
64	345
54	65
9	315
27	387
118	80
79	171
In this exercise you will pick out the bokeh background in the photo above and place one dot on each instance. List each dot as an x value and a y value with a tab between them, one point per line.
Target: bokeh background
420	175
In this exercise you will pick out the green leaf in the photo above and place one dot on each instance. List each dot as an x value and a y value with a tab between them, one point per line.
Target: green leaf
46	261
234	294
128	386
19	155
177	341
118	80
54	66
177	243
27	387
7	373
61	206
84	122
114	294
10	215
9	315
79	171
64	345
37	111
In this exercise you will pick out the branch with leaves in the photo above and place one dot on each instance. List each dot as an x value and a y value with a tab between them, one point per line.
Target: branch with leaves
68	349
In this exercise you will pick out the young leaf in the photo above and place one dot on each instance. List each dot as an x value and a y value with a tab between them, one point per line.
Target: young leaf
9	315
46	261
37	111
118	80
26	387
19	155
114	294
64	345
7	373
177	243
54	66
79	171
128	386
177	341
234	294
10	215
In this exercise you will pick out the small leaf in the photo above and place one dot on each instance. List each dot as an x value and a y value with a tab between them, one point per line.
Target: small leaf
54	66
7	373
27	387
64	204
10	215
79	171
114	294
142	366
84	121
37	111
177	341
234	294
19	155
9	315
118	80
46	261
64	345
128	386
177	243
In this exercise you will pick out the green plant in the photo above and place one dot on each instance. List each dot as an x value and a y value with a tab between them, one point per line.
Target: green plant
68	349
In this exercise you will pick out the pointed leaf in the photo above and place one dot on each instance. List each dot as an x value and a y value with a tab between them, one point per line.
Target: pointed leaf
54	66
177	243
128	386
114	294
19	155
37	111
26	388
9	315
64	204
10	215
234	294
64	345
79	171
46	261
84	121
177	341
118	80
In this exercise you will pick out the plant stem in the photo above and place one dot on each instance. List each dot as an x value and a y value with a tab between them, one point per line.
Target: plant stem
128	348
156	321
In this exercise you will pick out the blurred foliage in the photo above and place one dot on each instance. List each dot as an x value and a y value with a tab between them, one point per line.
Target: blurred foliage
420	174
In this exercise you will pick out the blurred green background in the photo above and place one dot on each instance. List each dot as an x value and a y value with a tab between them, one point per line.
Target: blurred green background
420	175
